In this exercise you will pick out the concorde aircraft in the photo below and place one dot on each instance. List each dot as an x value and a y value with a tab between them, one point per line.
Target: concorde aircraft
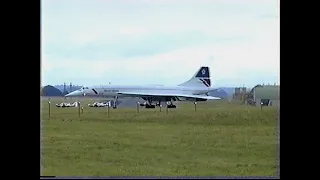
195	89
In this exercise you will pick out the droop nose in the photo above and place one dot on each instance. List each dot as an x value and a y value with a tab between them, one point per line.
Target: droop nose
74	93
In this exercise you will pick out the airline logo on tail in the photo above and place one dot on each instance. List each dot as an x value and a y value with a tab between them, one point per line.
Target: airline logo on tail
204	76
199	79
203	71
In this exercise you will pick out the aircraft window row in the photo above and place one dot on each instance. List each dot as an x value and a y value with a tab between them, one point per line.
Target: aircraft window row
111	90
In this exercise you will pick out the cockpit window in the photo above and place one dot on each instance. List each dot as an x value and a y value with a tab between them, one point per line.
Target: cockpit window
83	88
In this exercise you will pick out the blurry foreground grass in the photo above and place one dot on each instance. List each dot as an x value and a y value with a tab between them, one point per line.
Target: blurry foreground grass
220	139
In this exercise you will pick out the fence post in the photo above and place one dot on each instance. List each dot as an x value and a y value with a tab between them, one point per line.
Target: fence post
49	103
138	104
79	105
108	110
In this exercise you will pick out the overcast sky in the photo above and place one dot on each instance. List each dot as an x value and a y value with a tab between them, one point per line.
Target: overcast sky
93	42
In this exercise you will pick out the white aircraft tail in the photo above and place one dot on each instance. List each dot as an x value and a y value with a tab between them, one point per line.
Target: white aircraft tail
200	79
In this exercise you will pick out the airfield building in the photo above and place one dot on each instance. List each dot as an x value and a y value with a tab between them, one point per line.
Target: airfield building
271	92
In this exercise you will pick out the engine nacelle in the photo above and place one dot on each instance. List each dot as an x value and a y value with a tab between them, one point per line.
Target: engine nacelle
163	99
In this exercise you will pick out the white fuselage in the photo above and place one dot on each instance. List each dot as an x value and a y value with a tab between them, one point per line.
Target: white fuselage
112	90
195	89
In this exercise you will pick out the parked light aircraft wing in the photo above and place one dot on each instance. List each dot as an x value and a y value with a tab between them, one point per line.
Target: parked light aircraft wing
144	93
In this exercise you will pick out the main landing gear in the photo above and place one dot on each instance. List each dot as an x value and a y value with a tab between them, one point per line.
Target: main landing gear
150	105
170	105
115	102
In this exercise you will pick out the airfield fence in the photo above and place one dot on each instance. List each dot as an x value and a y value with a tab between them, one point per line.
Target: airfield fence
50	111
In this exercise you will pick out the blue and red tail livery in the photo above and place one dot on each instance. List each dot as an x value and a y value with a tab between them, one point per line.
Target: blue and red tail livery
203	73
206	82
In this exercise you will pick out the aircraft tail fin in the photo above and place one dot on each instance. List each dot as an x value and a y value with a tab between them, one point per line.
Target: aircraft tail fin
200	79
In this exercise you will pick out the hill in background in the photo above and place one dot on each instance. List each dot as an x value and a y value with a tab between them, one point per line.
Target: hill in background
73	87
50	91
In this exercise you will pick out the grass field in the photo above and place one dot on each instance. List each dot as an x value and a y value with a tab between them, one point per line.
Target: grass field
219	139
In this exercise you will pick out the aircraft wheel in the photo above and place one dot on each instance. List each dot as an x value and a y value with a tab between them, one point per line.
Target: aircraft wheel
172	106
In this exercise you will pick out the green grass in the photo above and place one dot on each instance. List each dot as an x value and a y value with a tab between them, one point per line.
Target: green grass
220	139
